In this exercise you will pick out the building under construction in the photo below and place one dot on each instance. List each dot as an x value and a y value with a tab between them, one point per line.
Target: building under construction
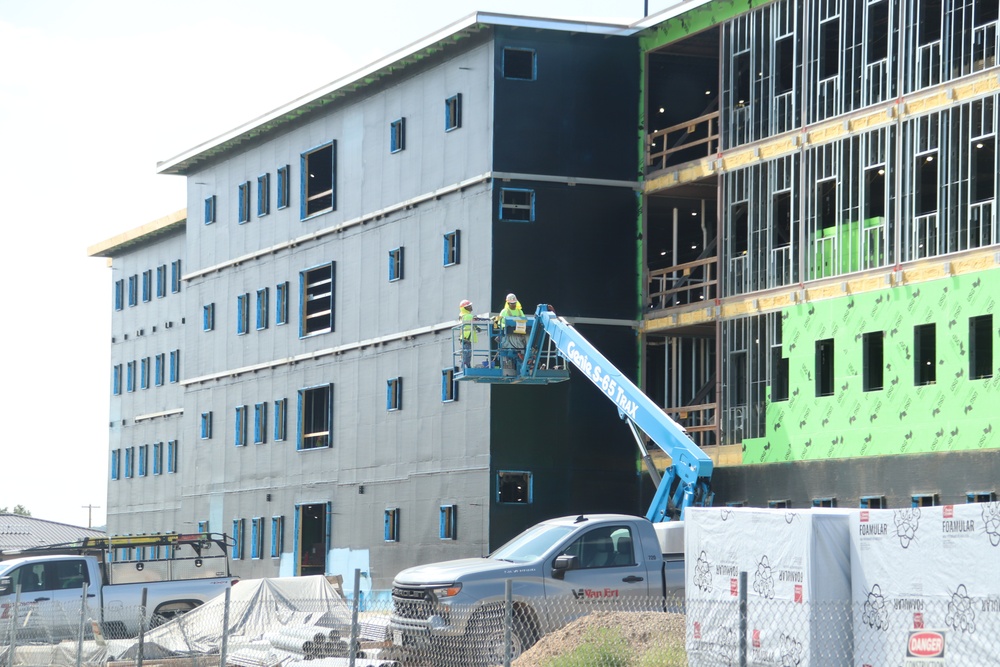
779	216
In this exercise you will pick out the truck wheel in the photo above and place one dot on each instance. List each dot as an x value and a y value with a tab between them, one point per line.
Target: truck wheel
487	637
168	612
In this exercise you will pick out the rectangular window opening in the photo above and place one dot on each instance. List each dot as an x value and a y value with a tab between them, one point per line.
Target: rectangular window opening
784	65
210	210
244	202
878	30
448	522
824	367
260	423
281	304
875	192
981	347
872	502
925	195
277	535
161	281
394	394
256	537
924	500
318	180
741	80
172	456
514	487
280	419
824	502
284	187
451	255
829	48
517	205
242	314
395	264
449	385
208	317
392	524
397	135
779	504
317	298
206	425
237	550
981	497
872	360
263	195
175	276
929	21
924	354
453	113
984	171
240	426
147	286
519	64
262	308
316	417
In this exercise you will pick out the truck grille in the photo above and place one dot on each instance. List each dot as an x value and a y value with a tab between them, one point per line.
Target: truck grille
414	603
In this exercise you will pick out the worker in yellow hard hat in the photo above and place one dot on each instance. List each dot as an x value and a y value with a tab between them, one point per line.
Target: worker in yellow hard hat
469	331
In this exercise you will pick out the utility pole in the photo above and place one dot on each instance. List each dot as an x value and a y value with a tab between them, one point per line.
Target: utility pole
90	514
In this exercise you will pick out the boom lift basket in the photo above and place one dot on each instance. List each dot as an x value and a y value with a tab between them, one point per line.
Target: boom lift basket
506	350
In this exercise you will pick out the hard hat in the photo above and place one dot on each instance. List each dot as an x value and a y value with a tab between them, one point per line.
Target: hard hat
465	304
511	298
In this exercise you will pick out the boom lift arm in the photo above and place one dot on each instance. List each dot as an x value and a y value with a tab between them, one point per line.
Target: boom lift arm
687	481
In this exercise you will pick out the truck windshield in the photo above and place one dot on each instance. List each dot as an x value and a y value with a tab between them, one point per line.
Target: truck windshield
532	543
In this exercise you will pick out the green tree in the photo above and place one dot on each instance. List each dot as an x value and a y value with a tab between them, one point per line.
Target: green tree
18	509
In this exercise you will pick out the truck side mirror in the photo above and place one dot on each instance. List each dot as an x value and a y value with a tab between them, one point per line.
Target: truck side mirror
6	586
564	563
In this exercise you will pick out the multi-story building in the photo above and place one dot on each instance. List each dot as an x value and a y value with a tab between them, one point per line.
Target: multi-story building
326	249
835	315
791	204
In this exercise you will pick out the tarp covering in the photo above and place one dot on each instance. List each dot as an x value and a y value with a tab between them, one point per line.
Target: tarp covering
257	607
927	573
797	562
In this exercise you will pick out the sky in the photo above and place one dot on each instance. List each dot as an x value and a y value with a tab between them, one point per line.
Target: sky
92	95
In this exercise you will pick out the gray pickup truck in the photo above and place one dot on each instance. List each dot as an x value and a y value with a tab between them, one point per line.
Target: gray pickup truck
558	569
41	594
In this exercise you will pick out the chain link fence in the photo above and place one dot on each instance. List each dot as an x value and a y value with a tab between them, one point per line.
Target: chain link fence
566	632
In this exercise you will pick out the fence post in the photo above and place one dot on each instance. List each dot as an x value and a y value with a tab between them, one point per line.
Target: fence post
83	621
508	619
353	645
142	627
13	627
743	619
224	648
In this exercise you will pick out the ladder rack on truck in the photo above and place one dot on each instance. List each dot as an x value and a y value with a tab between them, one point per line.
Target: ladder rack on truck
534	350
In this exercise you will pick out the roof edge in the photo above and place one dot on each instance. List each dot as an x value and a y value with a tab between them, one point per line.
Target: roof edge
108	247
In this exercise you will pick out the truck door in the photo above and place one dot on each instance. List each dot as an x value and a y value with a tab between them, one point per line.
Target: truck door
607	569
44	613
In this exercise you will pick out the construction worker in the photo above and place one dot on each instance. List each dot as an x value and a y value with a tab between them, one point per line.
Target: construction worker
512	343
469	331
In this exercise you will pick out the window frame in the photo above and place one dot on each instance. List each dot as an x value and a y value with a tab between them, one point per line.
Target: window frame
925	357
306	194
242	313
396	264
448	522
504	60
147	285
284	189
172	454
205	425
208	317
116	380
119	294
825	378
175	276
309	293
243	203
210	208
391	524
240	426
512	208
159	370
449	385
394	394
528	493
453	112
280	419
256	537
981	347
115	464
175	366
237	548
303	403
451	248
143	466
161	281
133	290
129	463
144	373
263	299
281	304
397	135
260	423
277	535
263	194
130	376
873	364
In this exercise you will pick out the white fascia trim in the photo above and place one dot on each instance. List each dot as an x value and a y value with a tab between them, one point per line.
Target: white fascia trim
347	224
568	180
156	415
310	356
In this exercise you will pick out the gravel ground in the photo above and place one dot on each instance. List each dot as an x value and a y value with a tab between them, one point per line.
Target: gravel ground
643	633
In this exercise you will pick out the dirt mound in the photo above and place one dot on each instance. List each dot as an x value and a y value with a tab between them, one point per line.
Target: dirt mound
641	632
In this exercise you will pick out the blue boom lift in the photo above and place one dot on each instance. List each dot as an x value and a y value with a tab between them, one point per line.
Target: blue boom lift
533	350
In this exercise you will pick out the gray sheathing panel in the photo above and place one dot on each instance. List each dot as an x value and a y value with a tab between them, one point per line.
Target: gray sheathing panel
950	475
145	331
369	178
